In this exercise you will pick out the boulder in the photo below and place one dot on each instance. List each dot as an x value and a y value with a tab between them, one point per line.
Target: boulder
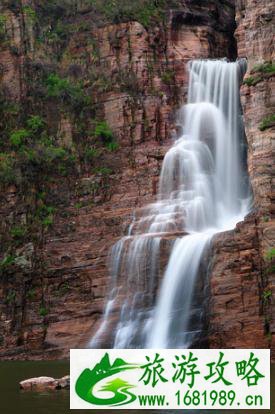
38	384
64	382
45	384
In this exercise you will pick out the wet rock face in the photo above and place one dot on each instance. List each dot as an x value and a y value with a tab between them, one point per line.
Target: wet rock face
236	311
241	306
254	30
254	36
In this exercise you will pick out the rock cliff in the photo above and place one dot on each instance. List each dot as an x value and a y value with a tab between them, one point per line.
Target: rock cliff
242	280
87	100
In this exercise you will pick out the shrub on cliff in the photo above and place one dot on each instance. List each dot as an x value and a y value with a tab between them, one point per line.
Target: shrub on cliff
44	157
6	262
18	234
252	80
57	87
7	172
267	122
3	20
112	146
35	126
91	153
103	131
68	92
260	72
35	123
35	153
143	11
19	137
267	67
270	255
168	77
29	12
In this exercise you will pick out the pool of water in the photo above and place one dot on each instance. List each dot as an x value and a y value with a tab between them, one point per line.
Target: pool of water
14	401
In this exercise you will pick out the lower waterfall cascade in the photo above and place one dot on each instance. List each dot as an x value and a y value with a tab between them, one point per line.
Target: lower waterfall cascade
203	190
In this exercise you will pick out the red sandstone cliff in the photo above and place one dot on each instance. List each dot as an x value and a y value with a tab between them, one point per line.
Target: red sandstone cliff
53	293
242	308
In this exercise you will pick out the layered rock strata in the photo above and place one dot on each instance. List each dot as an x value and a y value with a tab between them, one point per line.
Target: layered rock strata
242	283
54	293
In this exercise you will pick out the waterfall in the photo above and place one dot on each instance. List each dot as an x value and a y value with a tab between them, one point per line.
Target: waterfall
203	190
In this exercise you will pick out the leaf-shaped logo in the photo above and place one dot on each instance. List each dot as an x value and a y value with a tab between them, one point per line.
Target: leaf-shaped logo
88	379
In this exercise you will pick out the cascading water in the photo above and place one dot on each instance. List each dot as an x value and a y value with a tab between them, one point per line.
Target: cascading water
203	190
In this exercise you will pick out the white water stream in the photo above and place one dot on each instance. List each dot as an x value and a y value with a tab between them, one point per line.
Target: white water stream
203	190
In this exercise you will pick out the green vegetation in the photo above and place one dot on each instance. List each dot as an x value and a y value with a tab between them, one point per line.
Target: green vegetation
103	131
46	155
252	81
35	123
46	152
270	255
47	221
29	12
11	297
57	87
91	153
43	311
45	215
56	129
19	137
18	232
128	82
68	92
270	259
7	262
56	35
52	29
267	122
3	21
144	11
167	77
103	171
260	70
114	11
31	293
267	67
78	206
63	289
7	172
35	150
266	296
112	146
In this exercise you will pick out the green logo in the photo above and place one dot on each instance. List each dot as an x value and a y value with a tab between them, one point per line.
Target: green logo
88	379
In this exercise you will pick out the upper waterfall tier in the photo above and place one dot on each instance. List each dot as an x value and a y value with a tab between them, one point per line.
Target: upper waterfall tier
203	183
